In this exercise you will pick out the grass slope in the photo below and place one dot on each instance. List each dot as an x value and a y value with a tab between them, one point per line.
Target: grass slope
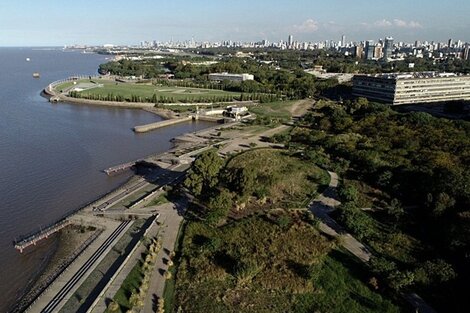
286	180
261	265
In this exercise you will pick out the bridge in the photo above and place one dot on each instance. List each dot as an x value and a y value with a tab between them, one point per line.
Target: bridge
33	238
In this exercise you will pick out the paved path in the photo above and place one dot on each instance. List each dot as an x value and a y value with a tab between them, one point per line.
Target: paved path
171	219
325	204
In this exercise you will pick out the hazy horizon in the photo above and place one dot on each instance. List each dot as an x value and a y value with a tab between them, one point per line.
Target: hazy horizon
54	23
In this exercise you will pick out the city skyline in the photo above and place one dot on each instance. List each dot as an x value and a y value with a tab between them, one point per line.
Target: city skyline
122	23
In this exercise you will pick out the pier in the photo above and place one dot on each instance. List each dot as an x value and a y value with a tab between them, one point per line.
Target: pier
32	239
120	168
152	126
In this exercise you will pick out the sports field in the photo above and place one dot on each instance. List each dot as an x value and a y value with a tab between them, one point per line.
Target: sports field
104	88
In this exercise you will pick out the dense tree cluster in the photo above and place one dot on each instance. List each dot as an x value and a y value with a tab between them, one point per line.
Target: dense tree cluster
421	162
274	82
145	69
337	62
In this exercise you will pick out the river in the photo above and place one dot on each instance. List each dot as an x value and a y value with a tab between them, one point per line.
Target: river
52	155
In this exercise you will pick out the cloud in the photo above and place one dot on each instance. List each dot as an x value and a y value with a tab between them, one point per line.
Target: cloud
309	26
383	23
397	23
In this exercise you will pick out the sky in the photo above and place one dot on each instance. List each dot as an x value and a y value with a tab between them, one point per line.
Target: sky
96	22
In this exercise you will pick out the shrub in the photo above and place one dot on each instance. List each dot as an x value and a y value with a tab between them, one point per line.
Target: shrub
348	193
357	221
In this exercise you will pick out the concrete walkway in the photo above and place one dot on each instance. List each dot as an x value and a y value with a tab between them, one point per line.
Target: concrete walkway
171	219
325	204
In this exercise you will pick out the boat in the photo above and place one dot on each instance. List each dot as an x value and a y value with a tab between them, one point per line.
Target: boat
28	59
36	75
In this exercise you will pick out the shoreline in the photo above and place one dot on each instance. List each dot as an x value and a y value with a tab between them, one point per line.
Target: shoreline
56	249
66	244
53	96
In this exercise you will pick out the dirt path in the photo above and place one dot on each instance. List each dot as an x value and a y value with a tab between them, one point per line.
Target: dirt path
301	107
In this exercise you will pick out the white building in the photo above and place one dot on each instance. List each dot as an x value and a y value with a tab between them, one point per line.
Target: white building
236	113
230	77
408	88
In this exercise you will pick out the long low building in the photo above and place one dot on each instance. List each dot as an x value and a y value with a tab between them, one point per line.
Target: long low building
230	77
409	88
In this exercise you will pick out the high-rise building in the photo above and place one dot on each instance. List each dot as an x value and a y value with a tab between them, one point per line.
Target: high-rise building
378	51
343	41
466	52
369	50
359	51
450	43
290	41
388	48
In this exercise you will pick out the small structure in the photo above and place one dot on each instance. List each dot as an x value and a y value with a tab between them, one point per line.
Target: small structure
236	112
230	77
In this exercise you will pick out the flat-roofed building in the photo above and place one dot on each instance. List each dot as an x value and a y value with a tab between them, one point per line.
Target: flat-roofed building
230	77
408	88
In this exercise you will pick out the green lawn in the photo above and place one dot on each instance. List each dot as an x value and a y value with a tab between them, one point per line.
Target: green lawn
279	109
64	86
127	90
161	199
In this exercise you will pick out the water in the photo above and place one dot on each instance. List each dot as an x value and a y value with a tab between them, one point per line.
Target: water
52	155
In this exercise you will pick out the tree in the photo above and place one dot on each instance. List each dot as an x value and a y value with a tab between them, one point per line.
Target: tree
399	280
221	202
242	181
219	206
382	266
385	179
204	172
395	209
442	203
358	222
113	307
432	272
